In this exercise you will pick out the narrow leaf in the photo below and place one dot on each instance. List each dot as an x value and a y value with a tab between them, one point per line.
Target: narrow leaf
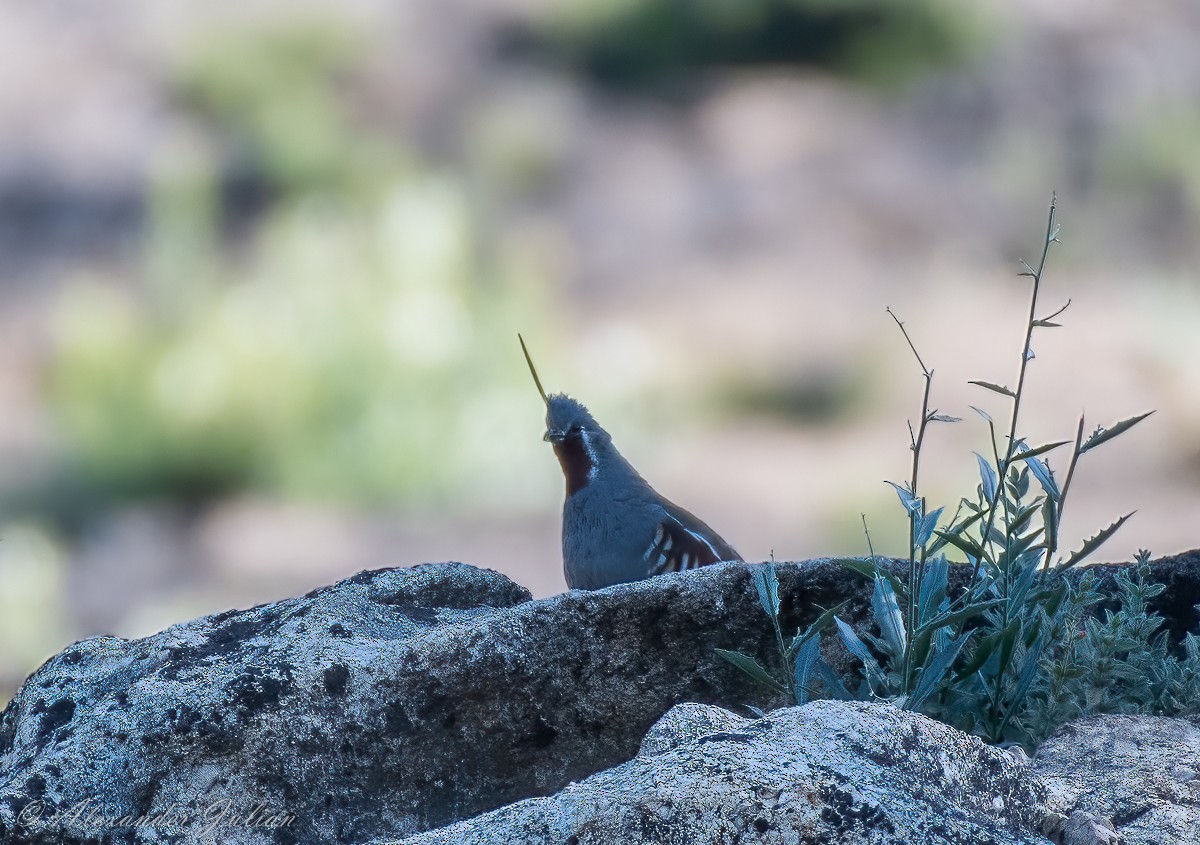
963	544
751	667
814	630
889	618
989	477
959	616
1096	542
766	581
1047	324
1021	484
1103	435
925	529
1033	661
918	651
1040	450
1008	641
933	588
1018	545
806	659
1027	565
1021	518
982	654
859	649
870	568
986	416
935	670
995	388
957	530
862	565
1050	317
1045	477
946	418
996	535
833	684
1050	520
911	503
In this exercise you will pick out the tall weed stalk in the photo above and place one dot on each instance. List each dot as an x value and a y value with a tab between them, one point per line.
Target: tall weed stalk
1008	647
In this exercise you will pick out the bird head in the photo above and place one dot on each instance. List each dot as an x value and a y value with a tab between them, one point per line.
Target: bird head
566	418
580	444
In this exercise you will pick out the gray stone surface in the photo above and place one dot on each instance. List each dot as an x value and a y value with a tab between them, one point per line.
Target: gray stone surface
684	723
401	701
380	706
336	708
830	772
1138	772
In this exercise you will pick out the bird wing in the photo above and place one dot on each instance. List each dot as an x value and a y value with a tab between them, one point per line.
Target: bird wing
682	542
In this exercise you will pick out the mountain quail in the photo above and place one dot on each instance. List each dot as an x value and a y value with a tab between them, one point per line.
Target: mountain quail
615	527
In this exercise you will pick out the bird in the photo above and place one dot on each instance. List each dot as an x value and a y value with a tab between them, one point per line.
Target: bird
616	528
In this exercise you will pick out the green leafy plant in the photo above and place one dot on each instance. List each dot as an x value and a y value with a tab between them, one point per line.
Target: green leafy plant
800	658
974	658
325	358
1008	646
1118	662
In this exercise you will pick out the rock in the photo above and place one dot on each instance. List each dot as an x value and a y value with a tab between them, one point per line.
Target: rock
317	708
390	703
1083	828
829	772
684	723
1124	773
400	701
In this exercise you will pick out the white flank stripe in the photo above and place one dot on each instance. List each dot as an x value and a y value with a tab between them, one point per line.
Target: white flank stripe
699	537
650	549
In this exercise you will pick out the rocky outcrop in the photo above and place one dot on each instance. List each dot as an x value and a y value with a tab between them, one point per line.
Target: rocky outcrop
1139	775
837	772
829	772
390	703
401	701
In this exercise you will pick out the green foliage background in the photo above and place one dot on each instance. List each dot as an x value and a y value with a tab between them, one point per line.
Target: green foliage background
340	346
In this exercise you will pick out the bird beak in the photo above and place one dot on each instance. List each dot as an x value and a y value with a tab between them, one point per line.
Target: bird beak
552	436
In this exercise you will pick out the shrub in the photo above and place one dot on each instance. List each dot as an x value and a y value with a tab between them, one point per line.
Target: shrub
1015	650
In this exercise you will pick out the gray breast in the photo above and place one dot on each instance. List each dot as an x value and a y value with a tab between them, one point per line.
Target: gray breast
604	539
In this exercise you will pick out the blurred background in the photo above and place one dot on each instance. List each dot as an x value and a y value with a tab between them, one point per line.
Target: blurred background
264	263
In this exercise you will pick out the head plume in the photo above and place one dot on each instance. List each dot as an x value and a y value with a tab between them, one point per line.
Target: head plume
533	372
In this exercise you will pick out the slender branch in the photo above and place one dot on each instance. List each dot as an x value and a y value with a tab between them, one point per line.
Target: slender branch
914	583
1056	313
928	373
1052	542
1036	275
867	531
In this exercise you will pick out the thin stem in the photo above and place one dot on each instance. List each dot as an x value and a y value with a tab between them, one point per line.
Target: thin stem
1036	275
1003	571
787	673
914	584
915	353
1052	542
867	531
